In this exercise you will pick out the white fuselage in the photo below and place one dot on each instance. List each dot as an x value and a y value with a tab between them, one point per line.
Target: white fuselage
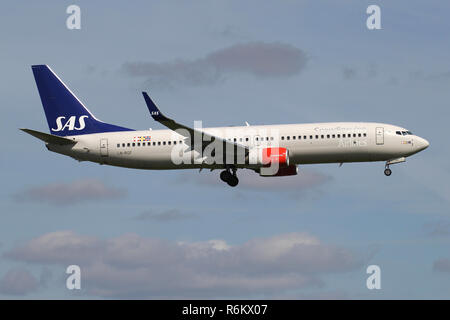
336	142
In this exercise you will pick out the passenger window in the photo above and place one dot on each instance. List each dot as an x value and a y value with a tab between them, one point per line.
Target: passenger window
364	134
134	144
164	143
321	136
174	142
123	144
317	137
354	135
288	137
128	144
310	137
343	135
118	145
246	139
139	144
304	137
169	142
154	143
159	143
333	136
359	135
328	136
293	137
339	135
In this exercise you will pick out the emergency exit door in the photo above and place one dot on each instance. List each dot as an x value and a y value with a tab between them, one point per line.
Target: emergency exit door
104	147
379	135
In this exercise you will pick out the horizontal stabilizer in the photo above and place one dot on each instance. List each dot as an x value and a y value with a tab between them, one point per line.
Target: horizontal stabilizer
49	138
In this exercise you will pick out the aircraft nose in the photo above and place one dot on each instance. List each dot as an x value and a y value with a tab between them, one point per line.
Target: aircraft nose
422	144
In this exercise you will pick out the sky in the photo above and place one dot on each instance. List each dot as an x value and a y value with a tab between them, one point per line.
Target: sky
185	234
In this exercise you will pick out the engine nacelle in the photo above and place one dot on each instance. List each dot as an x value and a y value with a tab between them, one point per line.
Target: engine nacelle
291	170
266	157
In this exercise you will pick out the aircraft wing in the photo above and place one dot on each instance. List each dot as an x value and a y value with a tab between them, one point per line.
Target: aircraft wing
189	132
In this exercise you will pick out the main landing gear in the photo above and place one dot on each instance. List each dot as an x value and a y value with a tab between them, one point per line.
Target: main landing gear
229	176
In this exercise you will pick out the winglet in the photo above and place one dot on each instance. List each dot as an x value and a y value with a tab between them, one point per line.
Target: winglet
154	111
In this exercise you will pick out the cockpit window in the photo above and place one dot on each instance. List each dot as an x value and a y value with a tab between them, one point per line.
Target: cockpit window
409	132
398	132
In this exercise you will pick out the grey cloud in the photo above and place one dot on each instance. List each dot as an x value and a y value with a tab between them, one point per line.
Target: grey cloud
45	277
58	247
369	71
443	76
70	193
230	32
18	282
163	216
438	229
265	60
348	73
372	70
442	265
134	266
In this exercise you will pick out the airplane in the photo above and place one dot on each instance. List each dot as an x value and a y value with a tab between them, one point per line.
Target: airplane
269	150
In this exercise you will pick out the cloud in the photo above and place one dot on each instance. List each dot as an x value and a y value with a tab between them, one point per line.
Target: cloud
368	71
70	193
134	266
167	215
348	73
442	76
438	229
259	59
442	265
59	247
18	282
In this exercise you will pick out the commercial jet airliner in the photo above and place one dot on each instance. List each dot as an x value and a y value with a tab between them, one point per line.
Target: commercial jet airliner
269	150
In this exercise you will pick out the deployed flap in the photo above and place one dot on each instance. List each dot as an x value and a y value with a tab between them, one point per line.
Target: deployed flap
173	125
49	138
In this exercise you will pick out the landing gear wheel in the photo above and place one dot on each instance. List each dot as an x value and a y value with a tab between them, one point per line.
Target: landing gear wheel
225	176
233	181
387	172
230	178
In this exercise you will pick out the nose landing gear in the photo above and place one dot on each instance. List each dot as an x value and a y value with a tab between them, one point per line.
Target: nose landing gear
388	171
230	178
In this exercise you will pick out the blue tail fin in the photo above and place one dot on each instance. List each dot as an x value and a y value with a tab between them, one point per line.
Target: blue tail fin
66	115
